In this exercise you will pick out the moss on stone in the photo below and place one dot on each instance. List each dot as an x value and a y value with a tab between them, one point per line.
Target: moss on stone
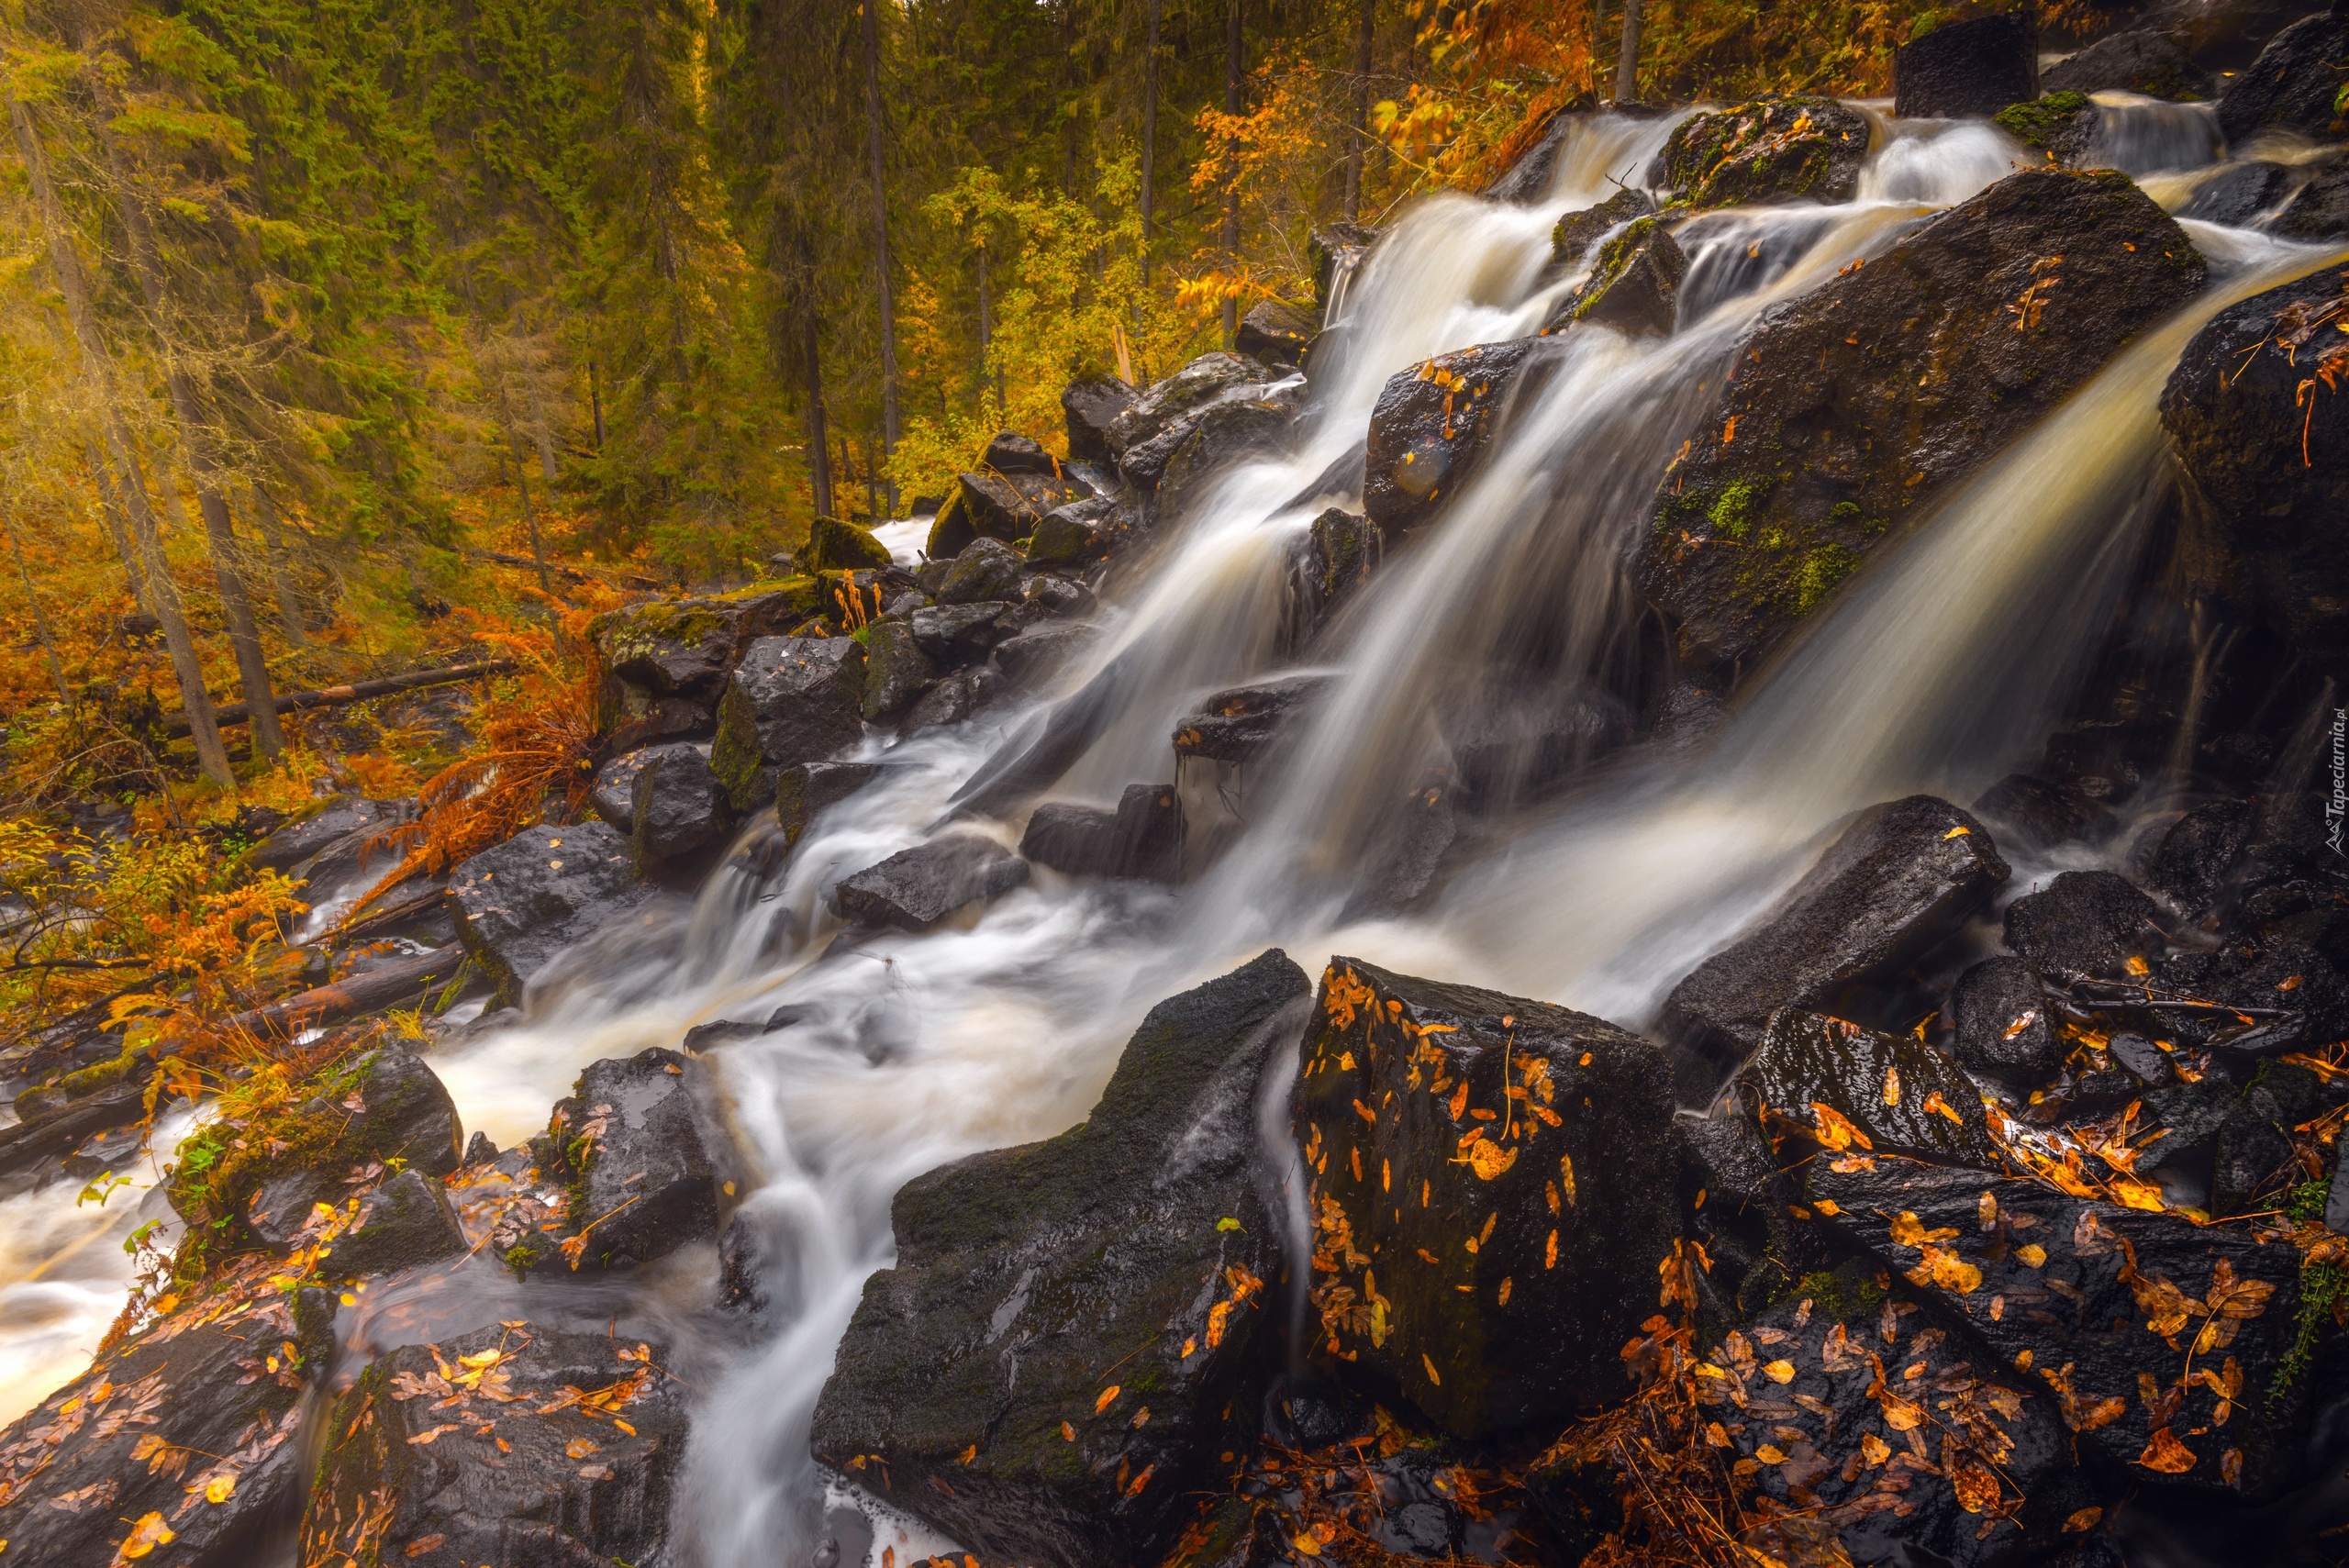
737	753
2036	123
100	1075
1614	257
1821	572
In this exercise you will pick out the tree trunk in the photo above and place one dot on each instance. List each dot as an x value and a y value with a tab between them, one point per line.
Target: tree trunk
1363	39
596	402
1234	62
97	368
819	452
1627	68
881	227
40	617
281	571
530	517
1149	136
117	530
219	533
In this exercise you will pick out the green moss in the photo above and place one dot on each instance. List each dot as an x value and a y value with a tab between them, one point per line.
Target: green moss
1732	513
1845	1294
836	546
1844	511
102	1075
1820	573
1614	257
737	753
2307	1201
2036	123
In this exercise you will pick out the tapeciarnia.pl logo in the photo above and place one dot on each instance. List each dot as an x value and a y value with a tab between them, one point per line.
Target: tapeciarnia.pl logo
2336	808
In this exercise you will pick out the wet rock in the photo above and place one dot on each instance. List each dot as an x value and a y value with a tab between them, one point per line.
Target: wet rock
1963	68
2142	1060
1634	285
1070	534
613	794
684	648
1901	878
2084	923
1333	251
1237	725
791	700
2062	124
1142	837
2141	60
2184	1161
972	1368
678	805
2039	812
1276	332
1001	506
2257	1159
1431	426
806	788
742	1264
2226	35
2266	465
339	817
896	670
431	1458
2239	192
2320	210
2293	85
1432	1114
659	718
915	889
1788	486
1038	650
837	546
2006	1030
1344	549
1229	433
2099	1297
1740	1206
520	904
1148	433
403	1223
1091	405
1527	180
1906	1097
2195	855
629	1149
1577	232
986	571
956	634
1011	452
123	1461
1773	149
953	698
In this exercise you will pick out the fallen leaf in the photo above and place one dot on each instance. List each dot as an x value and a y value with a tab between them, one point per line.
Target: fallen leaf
1108	1397
2166	1454
1769	1455
1779	1371
1873	1449
1892	1086
2033	1254
425	1437
1431	1372
1907	1230
146	1535
422	1544
2085	1519
1978	1489
579	1448
1835	1131
219	1489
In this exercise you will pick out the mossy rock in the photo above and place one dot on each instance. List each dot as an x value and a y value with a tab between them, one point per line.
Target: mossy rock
2061	125
1772	149
837	546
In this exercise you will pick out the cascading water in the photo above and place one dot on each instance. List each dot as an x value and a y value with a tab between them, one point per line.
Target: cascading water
910	1051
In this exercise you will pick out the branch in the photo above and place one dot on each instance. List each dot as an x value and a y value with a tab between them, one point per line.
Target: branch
360	691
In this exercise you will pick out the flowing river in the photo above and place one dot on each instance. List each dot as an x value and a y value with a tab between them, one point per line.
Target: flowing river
1937	668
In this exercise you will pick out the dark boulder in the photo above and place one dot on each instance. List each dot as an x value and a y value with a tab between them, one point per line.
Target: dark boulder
513	1444
2226	35
1229	433
406	1223
2141	60
684	648
520	904
183	1442
2320	210
2266	457
2191	862
1011	452
1342	550
1901	1094
659	719
2184	1159
334	821
1966	68
1091	405
837	546
1577	232
2295	84
1943	349
1150	431
915	889
2084	923
1333	251
2062	124
2039	812
896	671
807	789
1531	173
988	571
1235	726
956	634
1901	878
1634	285
613	794
629	1148
1070	534
1037	650
2256	1158
791	700
1772	150
2116	1311
678	805
1001	506
1491	1183
2239	192
1276	332
1142	837
953	698
1430	427
1741	1207
2005	1027
974	1372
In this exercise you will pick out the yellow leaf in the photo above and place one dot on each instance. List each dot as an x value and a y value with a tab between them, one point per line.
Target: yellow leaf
219	1489
965	1457
149	1533
1945	1269
2138	965
1108	1397
1550	1253
1769	1455
1779	1371
2166	1454
1486	1159
1873	1449
1431	1372
579	1448
1566	1176
1306	1545
1716	1435
1068	1433
624	1427
2085	1519
1898	1414
1892	1086
2033	1254
1907	1230
1835	1131
2131	1193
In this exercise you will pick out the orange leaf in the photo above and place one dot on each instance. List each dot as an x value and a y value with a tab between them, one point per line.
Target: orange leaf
2166	1454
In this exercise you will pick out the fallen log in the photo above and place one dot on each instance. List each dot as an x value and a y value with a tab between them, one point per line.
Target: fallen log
568	574
61	1132
365	993
358	691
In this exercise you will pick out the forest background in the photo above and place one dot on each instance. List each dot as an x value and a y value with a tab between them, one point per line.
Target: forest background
340	338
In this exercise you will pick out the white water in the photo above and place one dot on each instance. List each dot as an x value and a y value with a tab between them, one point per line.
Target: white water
1003	1026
